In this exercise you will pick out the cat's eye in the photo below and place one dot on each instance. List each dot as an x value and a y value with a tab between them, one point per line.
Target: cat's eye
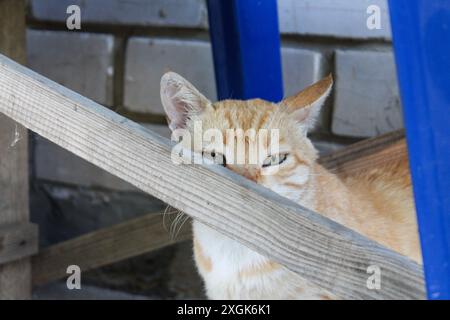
215	157
274	160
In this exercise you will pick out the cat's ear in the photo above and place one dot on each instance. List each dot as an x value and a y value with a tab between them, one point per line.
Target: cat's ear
180	99
305	106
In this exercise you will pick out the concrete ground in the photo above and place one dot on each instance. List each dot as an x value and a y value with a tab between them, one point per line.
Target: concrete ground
59	291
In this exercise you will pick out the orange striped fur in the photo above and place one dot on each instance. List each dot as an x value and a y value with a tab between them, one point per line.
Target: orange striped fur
377	203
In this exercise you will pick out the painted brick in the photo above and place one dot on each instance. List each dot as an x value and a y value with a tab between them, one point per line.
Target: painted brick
148	59
334	18
367	100
179	13
82	62
302	68
55	164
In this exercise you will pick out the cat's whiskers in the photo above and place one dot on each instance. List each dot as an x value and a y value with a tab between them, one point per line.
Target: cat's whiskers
167	212
177	224
174	223
186	218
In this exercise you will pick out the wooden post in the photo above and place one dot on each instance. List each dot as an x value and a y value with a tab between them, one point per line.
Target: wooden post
15	277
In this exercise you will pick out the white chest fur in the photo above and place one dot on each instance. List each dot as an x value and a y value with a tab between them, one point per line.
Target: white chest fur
226	276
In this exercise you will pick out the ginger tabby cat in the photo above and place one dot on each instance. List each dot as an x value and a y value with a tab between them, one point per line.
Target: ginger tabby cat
377	204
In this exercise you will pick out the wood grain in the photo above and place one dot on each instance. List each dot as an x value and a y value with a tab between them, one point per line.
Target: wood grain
320	250
15	276
374	152
18	241
390	154
104	246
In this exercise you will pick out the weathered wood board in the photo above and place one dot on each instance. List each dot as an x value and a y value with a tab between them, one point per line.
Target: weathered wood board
104	246
14	276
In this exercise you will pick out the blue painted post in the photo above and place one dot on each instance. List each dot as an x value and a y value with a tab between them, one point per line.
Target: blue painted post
421	35
246	48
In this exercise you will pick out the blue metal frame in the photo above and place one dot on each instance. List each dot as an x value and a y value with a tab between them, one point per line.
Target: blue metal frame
421	34
246	49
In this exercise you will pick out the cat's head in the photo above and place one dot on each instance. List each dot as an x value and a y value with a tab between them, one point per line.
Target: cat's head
285	171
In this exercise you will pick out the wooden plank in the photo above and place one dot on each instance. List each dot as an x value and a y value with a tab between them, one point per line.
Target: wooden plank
103	247
320	250
147	233
361	149
18	241
390	154
374	152
15	277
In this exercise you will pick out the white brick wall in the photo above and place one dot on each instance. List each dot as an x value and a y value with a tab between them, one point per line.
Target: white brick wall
186	13
147	59
335	18
81	61
366	94
301	68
